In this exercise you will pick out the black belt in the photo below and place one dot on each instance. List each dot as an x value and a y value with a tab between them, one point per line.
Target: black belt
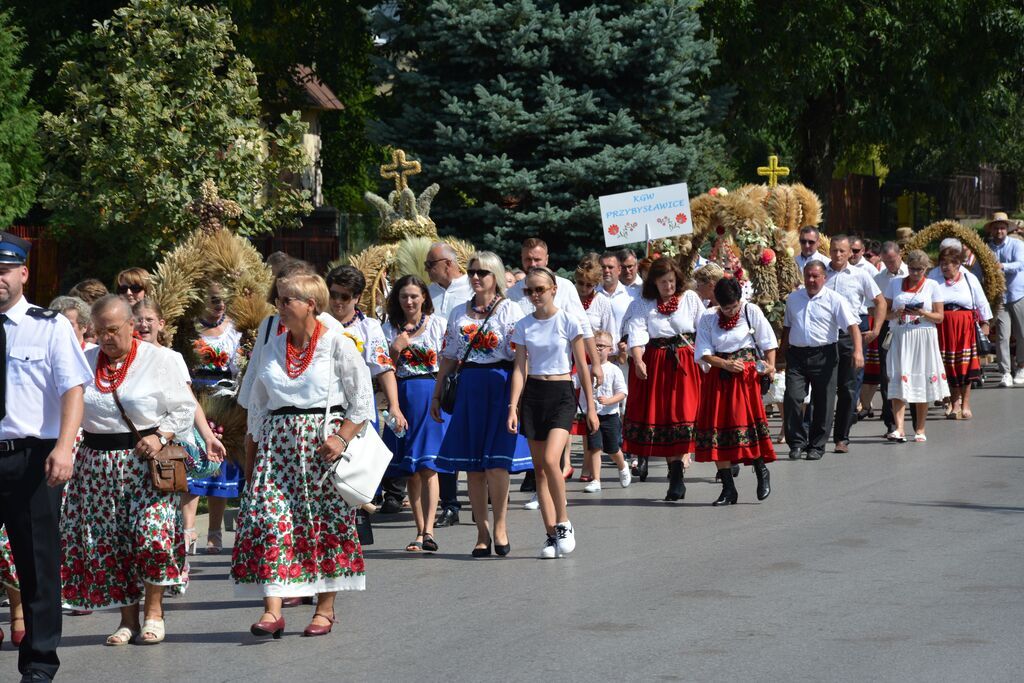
673	344
412	377
501	364
954	307
812	348
745	354
292	410
8	446
122	441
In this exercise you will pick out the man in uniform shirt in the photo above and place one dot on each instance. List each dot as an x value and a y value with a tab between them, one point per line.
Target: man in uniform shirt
809	239
810	335
449	286
858	288
41	386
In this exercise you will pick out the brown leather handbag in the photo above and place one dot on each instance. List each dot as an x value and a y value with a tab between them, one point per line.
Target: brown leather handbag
166	468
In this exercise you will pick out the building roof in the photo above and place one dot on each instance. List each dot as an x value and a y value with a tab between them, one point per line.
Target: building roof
317	94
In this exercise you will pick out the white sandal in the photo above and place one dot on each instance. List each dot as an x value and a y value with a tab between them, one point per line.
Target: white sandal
122	636
920	437
153	627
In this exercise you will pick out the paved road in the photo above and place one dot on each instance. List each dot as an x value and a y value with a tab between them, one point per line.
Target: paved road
890	563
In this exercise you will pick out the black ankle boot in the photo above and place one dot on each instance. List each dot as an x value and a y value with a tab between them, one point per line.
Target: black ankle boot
729	494
764	479
676	487
642	466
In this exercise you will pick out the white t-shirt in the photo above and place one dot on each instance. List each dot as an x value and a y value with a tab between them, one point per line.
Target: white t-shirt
928	294
646	322
548	342
614	383
566	299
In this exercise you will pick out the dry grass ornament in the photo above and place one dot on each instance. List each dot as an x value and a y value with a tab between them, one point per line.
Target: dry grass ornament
992	279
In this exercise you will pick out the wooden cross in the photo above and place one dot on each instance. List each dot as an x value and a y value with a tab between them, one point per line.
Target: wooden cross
399	168
773	171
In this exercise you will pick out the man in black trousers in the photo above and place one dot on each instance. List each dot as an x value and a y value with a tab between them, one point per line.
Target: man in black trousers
42	375
814	318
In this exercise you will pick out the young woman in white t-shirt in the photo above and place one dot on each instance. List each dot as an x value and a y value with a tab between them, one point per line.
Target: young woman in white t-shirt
545	342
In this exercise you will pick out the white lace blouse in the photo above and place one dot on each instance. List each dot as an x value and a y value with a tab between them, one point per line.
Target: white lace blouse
494	343
712	340
422	354
154	394
965	292
344	376
602	316
375	345
645	322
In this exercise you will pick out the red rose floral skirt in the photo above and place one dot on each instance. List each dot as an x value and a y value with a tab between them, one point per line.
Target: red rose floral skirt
295	536
118	533
8	574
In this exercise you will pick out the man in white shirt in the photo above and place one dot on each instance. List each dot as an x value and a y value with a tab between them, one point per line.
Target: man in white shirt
42	378
859	289
857	257
449	286
893	267
810	335
617	293
809	239
630	275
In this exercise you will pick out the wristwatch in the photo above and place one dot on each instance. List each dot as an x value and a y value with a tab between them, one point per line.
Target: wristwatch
163	439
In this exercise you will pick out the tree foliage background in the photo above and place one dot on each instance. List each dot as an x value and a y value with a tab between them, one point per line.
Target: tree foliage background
20	158
159	101
526	112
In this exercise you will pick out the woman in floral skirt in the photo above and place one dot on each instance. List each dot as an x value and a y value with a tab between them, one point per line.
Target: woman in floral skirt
415	335
9	579
310	396
122	539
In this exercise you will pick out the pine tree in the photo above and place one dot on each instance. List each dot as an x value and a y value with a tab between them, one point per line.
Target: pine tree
20	158
527	111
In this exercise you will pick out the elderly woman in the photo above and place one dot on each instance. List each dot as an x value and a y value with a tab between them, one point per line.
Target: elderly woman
122	539
664	381
731	422
964	303
78	312
296	535
914	363
704	280
477	343
132	284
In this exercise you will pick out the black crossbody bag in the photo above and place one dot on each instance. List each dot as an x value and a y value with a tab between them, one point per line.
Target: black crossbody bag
451	381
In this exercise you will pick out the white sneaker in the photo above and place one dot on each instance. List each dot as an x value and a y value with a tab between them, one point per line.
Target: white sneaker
625	478
1006	381
592	487
1018	378
549	552
534	504
565	538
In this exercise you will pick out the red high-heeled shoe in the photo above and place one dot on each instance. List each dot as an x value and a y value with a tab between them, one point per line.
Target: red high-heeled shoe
314	630
17	635
268	628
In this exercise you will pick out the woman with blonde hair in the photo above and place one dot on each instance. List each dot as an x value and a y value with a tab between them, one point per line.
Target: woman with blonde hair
132	284
312	395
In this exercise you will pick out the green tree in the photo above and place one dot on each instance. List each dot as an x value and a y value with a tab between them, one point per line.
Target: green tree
526	112
20	158
829	82
161	102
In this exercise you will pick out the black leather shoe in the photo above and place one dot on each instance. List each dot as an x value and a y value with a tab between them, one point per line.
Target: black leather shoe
814	455
448	517
642	468
795	453
502	550
35	677
529	484
676	486
391	506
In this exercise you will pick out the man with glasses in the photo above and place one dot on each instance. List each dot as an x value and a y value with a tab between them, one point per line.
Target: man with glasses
42	376
630	275
858	288
809	239
1010	315
449	286
858	257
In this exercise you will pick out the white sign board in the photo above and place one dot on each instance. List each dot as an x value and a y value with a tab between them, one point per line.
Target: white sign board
641	215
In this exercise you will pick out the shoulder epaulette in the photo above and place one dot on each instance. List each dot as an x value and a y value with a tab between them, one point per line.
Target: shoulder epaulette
45	313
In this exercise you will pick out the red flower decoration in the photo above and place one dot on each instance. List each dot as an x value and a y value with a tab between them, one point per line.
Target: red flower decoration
720	230
681	218
713	192
767	256
613	229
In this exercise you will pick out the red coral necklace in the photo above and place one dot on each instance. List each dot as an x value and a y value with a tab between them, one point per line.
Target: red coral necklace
109	379
589	300
728	323
297	360
668	307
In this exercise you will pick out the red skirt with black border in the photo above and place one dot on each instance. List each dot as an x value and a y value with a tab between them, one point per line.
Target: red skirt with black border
731	424
661	412
959	349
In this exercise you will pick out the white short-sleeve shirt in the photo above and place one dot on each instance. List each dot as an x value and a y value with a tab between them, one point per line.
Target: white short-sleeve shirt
854	284
927	295
548	342
493	345
713	340
817	320
566	298
421	356
965	291
646	322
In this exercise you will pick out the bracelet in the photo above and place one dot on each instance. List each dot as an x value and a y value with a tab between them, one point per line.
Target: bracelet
435	398
343	441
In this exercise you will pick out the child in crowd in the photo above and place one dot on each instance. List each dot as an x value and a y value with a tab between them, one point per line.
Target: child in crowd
608	439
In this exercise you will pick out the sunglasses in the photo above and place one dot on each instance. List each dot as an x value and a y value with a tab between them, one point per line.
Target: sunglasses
287	300
135	289
431	264
808	241
534	291
340	296
856	251
477	272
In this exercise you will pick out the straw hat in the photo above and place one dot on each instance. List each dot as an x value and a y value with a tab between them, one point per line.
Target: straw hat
1001	217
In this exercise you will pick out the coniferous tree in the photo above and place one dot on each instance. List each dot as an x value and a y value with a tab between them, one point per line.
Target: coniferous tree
20	158
527	111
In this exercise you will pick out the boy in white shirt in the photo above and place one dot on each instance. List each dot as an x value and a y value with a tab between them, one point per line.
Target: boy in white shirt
608	439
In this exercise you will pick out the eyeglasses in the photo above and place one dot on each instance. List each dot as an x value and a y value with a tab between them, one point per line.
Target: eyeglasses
430	264
915	269
856	251
808	241
534	291
112	331
135	289
603	346
340	296
287	300
477	272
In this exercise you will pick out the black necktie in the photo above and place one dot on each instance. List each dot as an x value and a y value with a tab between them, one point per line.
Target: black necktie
3	367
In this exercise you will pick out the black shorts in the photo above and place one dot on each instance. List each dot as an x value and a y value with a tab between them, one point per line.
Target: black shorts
607	439
546	406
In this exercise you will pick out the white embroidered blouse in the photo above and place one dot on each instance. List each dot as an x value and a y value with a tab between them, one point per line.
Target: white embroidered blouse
422	355
645	322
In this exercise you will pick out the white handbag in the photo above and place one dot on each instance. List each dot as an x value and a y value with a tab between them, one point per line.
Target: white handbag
358	472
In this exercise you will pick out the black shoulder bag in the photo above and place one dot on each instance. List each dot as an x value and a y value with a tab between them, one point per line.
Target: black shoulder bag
981	340
766	381
451	380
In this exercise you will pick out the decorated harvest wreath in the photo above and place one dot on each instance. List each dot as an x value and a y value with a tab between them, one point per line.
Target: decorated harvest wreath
992	281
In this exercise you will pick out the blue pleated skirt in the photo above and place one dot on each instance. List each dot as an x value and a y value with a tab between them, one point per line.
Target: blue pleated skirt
418	449
477	438
227	483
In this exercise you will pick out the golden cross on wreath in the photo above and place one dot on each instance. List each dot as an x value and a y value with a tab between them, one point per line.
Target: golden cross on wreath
399	168
773	171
